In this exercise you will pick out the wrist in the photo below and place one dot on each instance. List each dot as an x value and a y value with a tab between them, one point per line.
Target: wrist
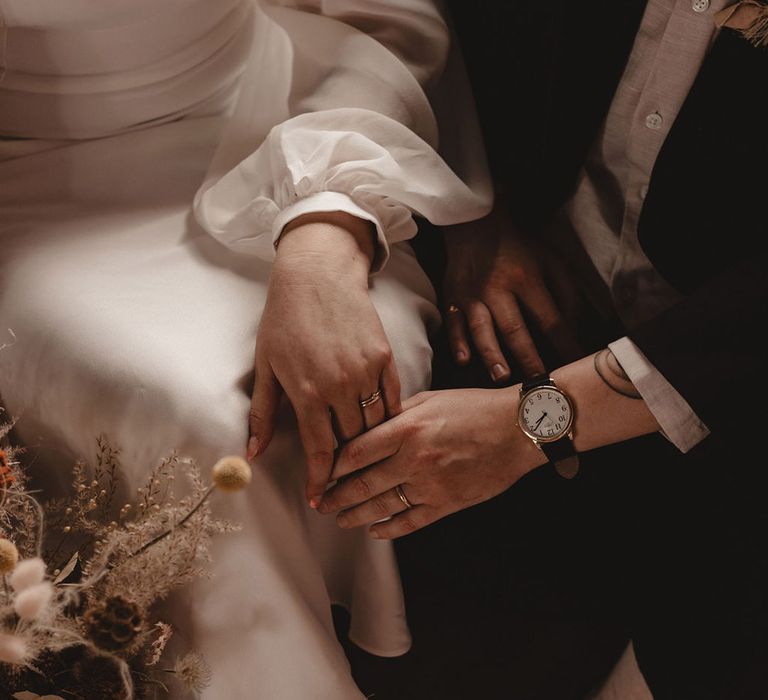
336	239
526	454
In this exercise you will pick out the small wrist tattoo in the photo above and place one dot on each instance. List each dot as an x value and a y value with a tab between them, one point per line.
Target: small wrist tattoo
613	374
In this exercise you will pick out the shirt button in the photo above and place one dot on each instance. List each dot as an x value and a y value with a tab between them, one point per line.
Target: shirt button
654	121
700	5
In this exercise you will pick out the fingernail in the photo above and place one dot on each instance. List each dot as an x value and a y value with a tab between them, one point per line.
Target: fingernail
341	521
375	534
253	448
461	355
314	502
498	372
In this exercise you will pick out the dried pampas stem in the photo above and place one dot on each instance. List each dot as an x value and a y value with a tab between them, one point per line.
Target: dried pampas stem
181	522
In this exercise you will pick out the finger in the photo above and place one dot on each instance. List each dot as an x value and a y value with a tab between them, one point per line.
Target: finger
545	313
362	486
374	413
371	447
377	508
511	325
348	419
265	401
457	334
405	523
316	433
481	327
417	400
390	388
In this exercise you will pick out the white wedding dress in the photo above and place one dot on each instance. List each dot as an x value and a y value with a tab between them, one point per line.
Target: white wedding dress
150	153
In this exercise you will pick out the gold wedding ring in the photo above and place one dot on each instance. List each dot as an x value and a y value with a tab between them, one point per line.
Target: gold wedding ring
372	399
401	495
453	309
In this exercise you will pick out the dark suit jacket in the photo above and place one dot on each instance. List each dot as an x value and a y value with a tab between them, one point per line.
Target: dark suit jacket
544	74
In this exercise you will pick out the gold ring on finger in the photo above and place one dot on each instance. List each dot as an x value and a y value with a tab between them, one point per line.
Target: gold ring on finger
375	397
401	495
453	309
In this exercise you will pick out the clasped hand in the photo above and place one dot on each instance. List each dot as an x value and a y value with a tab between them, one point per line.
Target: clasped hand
447	451
321	342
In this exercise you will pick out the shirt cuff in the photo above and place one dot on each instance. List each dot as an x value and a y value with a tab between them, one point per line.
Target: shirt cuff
678	422
332	201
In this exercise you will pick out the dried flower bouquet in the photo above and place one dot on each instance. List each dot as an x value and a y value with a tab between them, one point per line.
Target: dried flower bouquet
82	577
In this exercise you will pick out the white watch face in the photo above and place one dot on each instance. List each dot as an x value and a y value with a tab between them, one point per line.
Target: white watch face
545	414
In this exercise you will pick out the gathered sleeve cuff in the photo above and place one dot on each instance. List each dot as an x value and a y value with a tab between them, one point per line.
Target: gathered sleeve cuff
342	122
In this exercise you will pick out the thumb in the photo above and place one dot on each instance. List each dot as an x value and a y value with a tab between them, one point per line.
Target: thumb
263	413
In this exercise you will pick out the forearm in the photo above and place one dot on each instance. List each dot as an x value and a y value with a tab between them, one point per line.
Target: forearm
607	407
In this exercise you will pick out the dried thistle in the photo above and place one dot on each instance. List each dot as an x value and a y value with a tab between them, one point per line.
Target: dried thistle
193	672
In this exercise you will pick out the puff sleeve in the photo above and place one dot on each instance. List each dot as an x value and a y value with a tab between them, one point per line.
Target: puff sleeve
334	114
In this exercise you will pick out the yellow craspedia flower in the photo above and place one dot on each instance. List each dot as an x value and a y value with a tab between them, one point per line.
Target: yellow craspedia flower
9	556
231	474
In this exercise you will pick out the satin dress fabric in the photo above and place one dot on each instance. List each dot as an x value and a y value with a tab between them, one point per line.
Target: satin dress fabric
149	155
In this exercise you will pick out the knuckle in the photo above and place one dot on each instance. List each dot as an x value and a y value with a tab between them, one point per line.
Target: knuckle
380	507
355	453
319	458
408	523
476	323
363	488
489	354
409	428
518	277
428	456
381	354
341	378
511	326
550	324
309	392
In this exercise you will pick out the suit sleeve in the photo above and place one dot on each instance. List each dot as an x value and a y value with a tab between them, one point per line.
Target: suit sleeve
709	346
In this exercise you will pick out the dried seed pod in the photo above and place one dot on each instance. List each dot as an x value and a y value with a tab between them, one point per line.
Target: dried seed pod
114	624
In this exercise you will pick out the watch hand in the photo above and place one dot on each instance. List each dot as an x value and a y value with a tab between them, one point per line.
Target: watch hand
538	422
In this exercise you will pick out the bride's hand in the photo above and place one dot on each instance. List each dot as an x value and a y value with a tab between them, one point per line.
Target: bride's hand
321	342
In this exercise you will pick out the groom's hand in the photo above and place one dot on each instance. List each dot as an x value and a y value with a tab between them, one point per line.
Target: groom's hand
447	451
493	274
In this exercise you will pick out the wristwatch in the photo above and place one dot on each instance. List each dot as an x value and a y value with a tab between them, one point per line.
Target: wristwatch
546	416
